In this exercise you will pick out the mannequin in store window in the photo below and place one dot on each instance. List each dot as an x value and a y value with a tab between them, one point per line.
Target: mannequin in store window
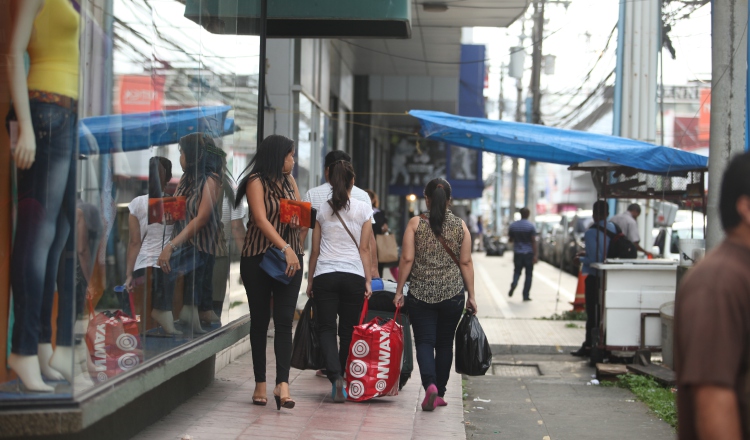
43	123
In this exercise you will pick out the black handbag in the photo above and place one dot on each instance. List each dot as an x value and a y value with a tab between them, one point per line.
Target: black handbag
306	351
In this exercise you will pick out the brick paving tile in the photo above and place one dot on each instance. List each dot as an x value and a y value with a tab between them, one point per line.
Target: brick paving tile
224	410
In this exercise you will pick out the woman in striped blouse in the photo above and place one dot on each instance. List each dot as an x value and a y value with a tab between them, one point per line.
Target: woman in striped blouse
191	252
270	180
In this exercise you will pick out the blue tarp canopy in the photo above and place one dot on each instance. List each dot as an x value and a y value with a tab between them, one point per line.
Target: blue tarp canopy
139	131
554	145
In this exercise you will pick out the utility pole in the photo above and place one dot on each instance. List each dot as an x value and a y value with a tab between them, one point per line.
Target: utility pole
499	162
514	171
728	79
536	97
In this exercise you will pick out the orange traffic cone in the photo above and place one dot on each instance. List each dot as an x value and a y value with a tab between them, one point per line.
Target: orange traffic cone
579	305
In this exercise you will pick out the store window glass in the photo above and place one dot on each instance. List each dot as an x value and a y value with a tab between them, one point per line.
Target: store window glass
304	143
129	125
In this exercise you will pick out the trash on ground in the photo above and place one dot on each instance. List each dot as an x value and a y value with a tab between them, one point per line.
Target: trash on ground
477	399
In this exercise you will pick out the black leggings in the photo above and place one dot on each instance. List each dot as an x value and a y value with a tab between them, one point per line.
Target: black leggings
260	287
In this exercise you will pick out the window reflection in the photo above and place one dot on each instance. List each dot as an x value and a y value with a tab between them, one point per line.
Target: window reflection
91	301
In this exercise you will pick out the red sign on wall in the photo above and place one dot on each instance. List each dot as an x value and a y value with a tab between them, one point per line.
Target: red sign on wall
139	93
704	118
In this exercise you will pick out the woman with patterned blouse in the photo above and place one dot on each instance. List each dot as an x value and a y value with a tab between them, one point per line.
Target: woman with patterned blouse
197	239
438	278
270	180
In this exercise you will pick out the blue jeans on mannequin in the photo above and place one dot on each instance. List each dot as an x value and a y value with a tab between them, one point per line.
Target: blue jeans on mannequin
46	215
434	327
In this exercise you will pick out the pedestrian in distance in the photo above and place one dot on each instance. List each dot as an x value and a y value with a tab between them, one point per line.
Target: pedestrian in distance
627	222
596	242
268	181
522	234
436	258
379	225
712	331
339	272
480	234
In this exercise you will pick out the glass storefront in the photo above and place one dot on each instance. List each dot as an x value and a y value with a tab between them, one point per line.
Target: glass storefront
129	126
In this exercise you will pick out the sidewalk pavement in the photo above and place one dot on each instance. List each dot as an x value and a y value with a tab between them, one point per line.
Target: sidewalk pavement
551	397
224	411
514	325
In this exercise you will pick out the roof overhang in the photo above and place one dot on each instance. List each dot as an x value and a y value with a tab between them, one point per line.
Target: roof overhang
305	18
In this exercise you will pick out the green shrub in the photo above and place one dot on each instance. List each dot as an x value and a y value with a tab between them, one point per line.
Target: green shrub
661	400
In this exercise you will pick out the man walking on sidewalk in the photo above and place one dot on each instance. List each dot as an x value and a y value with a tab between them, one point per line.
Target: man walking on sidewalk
712	335
596	242
627	221
523	235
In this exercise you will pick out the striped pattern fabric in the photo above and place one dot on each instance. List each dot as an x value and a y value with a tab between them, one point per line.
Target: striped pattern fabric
210	238
255	242
522	233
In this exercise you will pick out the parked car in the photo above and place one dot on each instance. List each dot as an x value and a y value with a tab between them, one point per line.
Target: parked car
545	225
568	239
668	238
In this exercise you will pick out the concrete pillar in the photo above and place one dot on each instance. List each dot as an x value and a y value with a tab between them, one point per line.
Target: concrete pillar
728	86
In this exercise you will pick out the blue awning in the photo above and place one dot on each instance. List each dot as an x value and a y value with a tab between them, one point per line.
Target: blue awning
139	131
554	145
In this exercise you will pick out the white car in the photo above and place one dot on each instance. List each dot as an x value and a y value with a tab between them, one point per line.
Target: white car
668	238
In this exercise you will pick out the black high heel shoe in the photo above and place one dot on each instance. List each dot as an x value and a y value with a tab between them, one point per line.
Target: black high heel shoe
286	402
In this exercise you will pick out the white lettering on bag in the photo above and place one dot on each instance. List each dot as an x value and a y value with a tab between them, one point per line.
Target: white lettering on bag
99	353
384	359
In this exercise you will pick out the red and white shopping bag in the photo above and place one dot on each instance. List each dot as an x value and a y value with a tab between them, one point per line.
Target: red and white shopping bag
375	356
113	342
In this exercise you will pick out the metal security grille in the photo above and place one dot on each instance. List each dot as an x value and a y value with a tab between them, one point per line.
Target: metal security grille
506	370
628	183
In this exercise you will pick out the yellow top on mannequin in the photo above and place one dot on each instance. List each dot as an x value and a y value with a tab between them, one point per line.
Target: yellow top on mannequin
53	49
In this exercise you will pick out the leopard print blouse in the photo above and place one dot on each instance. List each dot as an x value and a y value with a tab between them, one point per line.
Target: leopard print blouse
435	277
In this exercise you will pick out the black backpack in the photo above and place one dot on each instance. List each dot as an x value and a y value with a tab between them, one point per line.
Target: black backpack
619	245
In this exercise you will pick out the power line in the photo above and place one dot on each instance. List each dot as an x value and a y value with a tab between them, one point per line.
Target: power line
519	49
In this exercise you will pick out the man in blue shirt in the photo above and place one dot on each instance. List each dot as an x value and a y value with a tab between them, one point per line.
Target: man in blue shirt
523	235
596	242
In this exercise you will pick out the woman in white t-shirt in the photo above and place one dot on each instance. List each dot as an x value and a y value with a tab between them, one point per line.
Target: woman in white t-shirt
339	275
146	243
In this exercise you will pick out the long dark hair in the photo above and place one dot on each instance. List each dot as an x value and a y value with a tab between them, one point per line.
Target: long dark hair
204	159
439	192
268	162
155	165
341	176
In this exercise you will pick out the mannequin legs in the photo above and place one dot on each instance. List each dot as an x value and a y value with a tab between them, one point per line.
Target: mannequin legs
27	368
45	354
45	215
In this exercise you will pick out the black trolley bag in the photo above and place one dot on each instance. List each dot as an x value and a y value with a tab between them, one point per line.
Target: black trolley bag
381	306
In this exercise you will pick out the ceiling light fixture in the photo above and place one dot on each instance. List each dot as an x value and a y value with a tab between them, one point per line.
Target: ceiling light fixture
434	7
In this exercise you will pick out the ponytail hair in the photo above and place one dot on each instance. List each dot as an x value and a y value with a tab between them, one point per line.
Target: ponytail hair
155	166
439	193
341	176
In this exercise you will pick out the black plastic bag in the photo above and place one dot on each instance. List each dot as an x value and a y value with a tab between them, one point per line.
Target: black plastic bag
306	352
473	354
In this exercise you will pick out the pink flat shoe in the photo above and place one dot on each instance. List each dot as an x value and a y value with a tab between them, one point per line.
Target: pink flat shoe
428	404
439	401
